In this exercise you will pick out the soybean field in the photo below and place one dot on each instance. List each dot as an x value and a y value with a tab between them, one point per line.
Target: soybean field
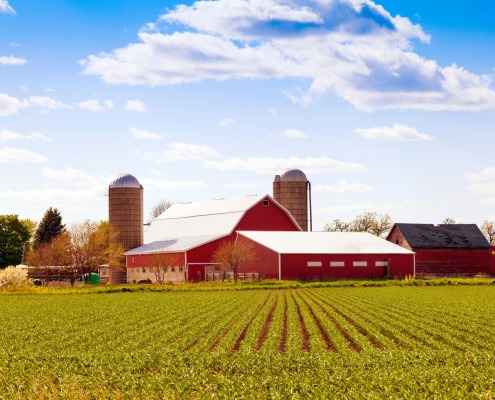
366	343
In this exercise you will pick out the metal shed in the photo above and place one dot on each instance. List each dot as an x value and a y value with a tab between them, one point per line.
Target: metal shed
326	255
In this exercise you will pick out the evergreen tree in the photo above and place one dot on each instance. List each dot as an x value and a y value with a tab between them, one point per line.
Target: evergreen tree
13	236
49	227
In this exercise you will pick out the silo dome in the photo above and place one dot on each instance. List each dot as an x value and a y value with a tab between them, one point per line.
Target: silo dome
125	181
292	175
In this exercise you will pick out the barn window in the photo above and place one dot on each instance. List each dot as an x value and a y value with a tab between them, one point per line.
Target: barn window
337	263
396	241
144	269
314	264
381	263
359	263
266	203
181	269
173	269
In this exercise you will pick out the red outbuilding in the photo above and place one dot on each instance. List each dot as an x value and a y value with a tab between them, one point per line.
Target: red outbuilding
325	255
444	249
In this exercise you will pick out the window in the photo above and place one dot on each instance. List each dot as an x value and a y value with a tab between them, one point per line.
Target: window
337	263
314	264
181	269
381	263
144	269
396	241
266	203
173	269
359	264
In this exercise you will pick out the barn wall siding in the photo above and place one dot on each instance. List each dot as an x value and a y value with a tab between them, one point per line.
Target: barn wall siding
266	218
295	266
265	262
452	261
147	260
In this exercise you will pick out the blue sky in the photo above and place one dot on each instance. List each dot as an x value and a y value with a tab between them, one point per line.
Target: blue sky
387	106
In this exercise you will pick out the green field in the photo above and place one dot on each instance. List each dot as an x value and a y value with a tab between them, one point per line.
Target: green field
377	342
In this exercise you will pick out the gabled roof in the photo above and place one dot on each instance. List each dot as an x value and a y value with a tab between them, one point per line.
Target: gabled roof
300	242
443	236
214	217
173	245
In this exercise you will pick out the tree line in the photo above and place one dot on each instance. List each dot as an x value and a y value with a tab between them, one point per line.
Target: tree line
76	251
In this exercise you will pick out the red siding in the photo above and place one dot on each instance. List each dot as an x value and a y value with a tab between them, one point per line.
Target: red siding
265	262
266	218
294	266
452	261
395	236
147	260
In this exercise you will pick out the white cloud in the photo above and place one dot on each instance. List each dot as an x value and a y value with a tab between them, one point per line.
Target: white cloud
11	155
226	122
7	135
72	176
5	7
397	132
294	133
343	187
488	174
11	105
11	60
135	105
182	152
96	106
48	103
274	165
354	48
144	134
155	184
481	183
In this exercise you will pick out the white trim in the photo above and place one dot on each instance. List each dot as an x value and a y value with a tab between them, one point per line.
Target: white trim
314	264
360	263
279	267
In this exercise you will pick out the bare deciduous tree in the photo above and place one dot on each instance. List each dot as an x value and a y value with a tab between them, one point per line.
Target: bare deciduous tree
336	226
159	208
92	247
449	221
371	222
232	254
488	229
161	263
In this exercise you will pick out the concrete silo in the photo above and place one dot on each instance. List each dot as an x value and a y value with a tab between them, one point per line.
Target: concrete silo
292	189
125	216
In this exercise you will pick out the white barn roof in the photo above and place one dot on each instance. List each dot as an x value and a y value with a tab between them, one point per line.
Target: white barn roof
324	242
173	245
214	217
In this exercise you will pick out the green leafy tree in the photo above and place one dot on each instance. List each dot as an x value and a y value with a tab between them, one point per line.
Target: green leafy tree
50	226
13	236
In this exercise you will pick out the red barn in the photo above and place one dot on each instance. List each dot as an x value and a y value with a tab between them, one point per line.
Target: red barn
444	249
191	232
326	255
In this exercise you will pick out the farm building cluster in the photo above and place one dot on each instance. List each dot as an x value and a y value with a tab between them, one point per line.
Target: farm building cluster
279	231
